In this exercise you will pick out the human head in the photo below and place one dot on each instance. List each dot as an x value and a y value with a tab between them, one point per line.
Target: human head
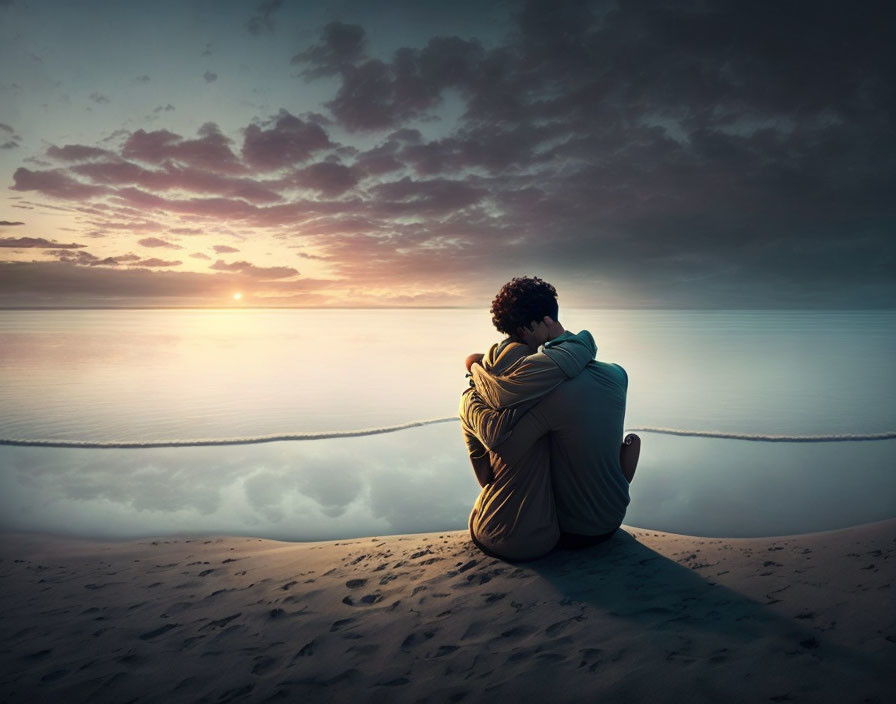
521	305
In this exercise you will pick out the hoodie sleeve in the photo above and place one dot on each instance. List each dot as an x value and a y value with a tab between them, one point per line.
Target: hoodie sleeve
479	458
535	375
529	378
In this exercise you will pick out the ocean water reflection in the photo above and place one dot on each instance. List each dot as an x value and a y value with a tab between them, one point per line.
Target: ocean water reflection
420	480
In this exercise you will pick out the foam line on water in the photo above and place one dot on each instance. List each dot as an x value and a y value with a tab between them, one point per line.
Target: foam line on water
254	440
758	437
290	437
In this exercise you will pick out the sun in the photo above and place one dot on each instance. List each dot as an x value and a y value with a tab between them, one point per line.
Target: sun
237	296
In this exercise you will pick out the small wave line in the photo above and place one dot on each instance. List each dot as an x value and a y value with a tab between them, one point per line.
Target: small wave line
328	435
254	440
759	437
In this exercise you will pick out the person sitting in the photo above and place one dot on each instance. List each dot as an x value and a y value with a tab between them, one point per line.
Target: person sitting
539	421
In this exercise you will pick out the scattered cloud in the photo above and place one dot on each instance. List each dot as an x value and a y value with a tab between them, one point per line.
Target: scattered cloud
157	242
211	150
142	79
199	255
626	150
259	272
262	22
78	152
8	137
287	141
342	47
327	178
10	223
210	77
30	242
224	249
99	98
153	262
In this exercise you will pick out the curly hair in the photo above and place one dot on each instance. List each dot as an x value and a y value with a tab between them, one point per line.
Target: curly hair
522	300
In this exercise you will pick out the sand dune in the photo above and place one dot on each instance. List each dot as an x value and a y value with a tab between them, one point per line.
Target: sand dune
648	616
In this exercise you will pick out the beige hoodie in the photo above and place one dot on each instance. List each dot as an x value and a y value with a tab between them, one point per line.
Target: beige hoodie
514	516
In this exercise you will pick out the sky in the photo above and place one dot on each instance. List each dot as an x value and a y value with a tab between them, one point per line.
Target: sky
415	153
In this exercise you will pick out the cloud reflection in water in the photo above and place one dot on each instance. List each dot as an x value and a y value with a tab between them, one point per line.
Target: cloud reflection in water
420	480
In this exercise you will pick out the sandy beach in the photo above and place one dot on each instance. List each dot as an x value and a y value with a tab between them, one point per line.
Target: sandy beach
648	616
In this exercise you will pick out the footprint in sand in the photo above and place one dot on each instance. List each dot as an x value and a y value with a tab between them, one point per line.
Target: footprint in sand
341	623
220	623
415	639
263	664
366	600
149	635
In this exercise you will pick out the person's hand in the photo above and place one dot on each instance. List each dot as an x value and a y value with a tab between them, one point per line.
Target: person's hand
475	358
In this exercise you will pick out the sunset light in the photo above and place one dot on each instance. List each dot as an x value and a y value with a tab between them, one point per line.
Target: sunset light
427	350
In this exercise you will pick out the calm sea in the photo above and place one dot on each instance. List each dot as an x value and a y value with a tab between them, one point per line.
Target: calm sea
151	375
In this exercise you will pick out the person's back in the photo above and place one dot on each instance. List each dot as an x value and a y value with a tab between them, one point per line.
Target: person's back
585	418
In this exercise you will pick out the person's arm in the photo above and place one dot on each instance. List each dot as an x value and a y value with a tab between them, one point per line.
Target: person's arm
527	379
629	454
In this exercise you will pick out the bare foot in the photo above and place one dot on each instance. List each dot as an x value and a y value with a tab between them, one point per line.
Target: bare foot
629	454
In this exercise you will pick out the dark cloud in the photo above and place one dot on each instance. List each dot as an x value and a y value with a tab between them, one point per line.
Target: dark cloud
263	273
375	94
327	178
288	141
684	154
78	152
54	183
176	177
99	98
142	79
211	150
262	22
224	249
9	223
29	242
426	197
210	77
157	242
342	45
164	108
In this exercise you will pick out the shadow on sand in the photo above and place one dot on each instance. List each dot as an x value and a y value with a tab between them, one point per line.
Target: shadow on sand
712	635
